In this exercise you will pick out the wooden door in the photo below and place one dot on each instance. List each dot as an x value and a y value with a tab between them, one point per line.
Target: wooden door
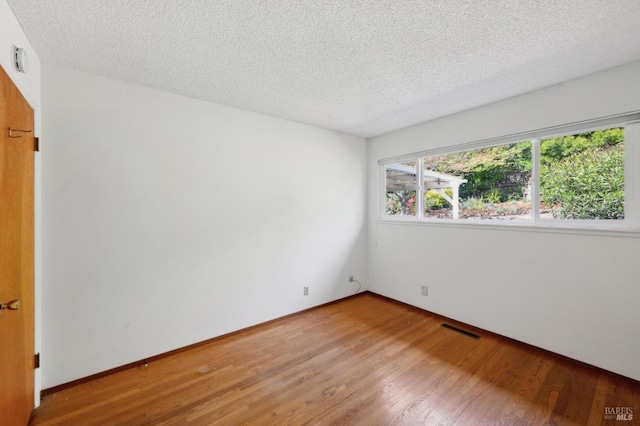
16	255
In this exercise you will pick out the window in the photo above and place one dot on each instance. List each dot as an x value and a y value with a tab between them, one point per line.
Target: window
401	189
573	177
582	176
487	183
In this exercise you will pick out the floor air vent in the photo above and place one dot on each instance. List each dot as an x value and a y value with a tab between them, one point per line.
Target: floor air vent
461	331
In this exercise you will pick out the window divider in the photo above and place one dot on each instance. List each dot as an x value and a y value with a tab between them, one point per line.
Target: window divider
535	180
420	188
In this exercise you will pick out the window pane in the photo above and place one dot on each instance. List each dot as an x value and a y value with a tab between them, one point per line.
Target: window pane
582	176
401	189
488	183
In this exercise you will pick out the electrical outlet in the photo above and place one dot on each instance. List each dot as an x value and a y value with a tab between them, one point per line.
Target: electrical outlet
425	290
306	291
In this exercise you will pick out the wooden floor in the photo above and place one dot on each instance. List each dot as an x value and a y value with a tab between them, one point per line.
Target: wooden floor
363	361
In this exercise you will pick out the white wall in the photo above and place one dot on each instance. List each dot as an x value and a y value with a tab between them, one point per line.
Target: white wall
574	294
11	34
168	221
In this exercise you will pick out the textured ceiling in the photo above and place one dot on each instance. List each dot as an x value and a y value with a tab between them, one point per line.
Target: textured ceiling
361	67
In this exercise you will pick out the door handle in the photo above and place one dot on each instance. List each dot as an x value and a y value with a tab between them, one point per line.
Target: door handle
13	305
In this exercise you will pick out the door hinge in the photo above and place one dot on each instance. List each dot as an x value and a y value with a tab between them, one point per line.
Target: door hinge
36	144
36	361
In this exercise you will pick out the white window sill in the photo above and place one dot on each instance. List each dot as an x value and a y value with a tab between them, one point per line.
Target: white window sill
556	227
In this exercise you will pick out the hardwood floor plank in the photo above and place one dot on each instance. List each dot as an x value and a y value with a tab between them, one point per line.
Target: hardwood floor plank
366	360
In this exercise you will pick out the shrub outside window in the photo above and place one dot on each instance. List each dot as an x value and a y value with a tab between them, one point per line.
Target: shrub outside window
582	175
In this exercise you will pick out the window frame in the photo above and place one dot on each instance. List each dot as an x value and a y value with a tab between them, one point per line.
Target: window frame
630	222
